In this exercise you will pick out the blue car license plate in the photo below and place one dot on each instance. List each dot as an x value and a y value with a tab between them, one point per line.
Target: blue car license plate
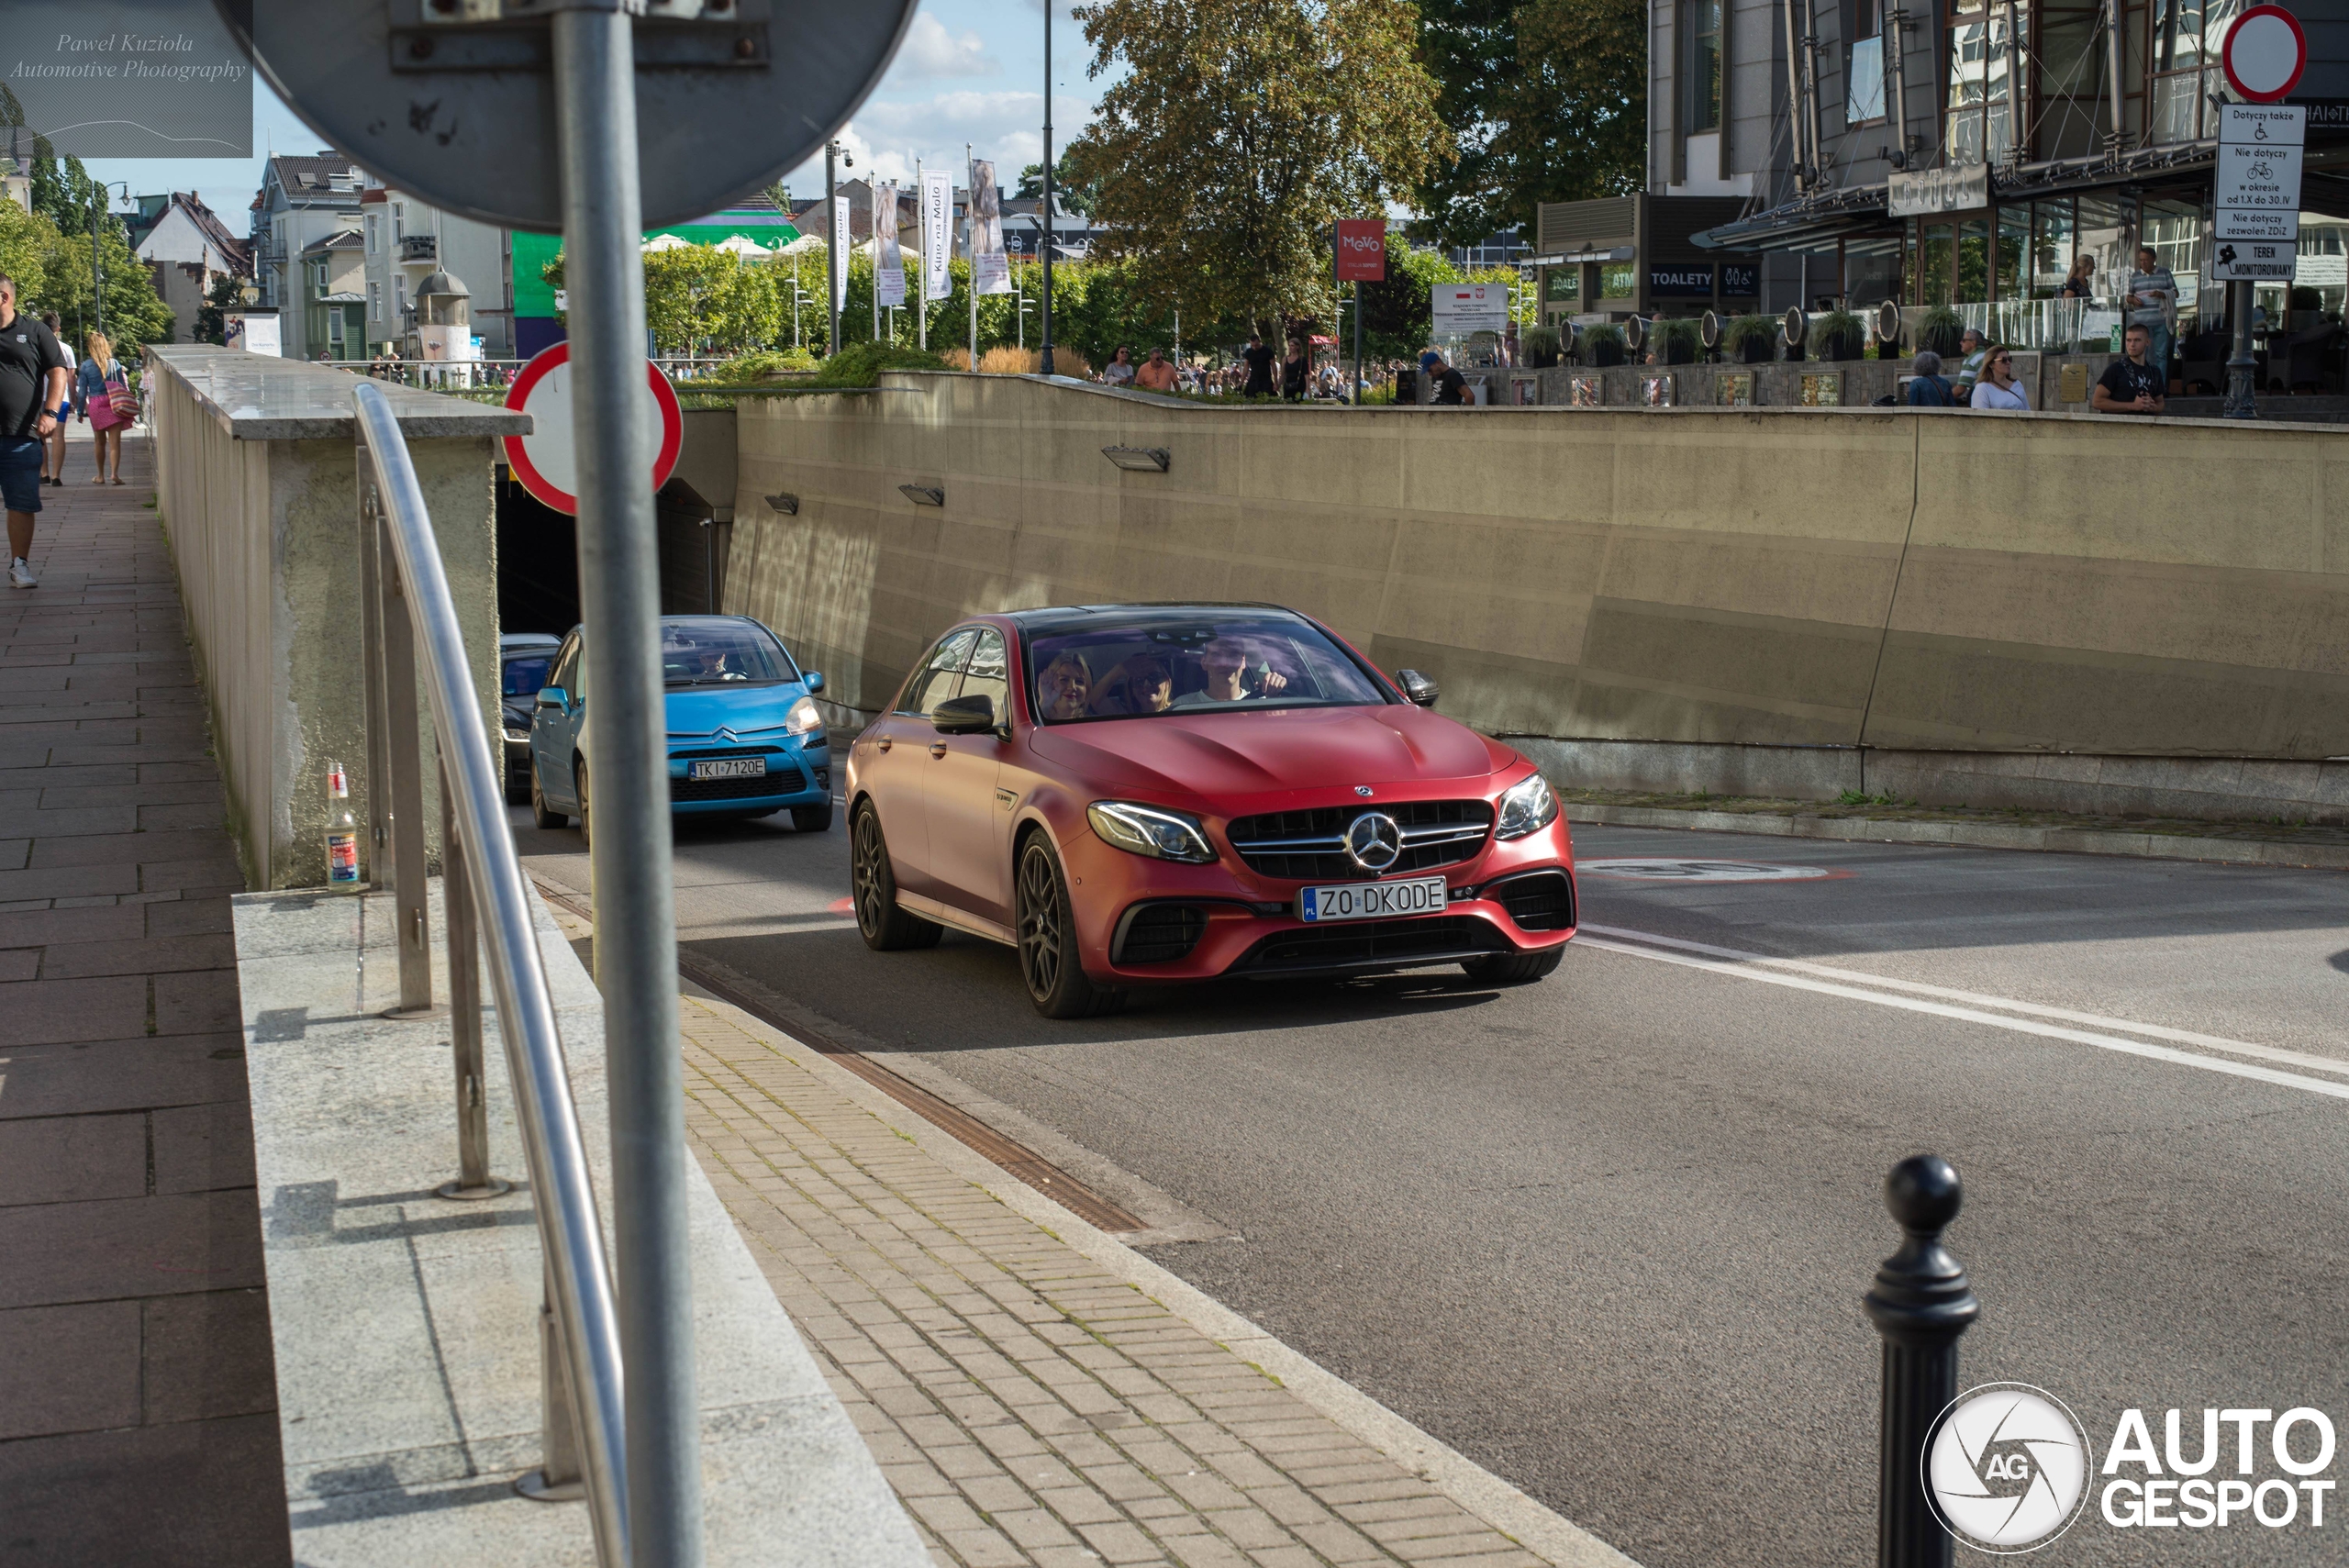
728	768
1373	900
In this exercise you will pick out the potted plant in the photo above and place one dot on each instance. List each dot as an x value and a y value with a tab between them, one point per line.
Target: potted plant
1942	331
1540	348
1678	341
1603	342
1753	339
1840	335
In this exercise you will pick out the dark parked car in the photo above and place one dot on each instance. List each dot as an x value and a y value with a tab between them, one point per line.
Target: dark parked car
524	659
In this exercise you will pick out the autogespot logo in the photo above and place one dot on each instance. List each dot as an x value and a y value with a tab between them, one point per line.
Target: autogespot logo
2006	1467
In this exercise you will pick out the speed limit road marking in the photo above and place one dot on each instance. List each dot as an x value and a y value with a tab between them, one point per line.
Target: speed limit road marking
1651	870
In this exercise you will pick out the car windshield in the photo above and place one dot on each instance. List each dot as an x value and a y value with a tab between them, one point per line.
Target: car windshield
526	673
721	652
1156	665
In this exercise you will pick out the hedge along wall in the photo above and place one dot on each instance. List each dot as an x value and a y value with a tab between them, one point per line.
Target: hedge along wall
1792	576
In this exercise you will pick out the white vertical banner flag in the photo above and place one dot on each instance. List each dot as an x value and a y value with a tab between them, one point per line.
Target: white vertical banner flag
937	233
888	259
836	246
990	268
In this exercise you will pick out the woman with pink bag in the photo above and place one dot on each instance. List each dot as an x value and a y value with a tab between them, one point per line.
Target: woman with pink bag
107	403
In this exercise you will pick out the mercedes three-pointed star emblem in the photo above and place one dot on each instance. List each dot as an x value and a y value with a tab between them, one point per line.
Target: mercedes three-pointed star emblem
1374	842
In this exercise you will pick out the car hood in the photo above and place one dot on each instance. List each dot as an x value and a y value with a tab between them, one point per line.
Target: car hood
1271	751
700	710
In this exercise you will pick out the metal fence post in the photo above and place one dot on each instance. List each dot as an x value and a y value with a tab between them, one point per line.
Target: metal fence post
1920	1304
371	616
636	939
558	1478
403	811
473	1180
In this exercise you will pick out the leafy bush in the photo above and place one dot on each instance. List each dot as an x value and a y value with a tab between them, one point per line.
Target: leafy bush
1677	341
1942	331
860	364
1839	329
1540	347
1746	330
1601	334
771	361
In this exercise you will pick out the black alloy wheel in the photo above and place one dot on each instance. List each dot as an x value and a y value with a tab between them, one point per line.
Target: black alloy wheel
541	814
873	889
1056	981
1513	968
579	783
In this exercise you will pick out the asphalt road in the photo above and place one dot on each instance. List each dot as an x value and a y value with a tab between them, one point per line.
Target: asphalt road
1607	1234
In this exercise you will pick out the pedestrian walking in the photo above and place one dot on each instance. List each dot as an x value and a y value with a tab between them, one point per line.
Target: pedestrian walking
54	449
1156	374
1451	387
1929	388
2080	281
2152	303
101	377
1997	387
1976	349
1119	371
1258	357
2131	384
34	372
1295	369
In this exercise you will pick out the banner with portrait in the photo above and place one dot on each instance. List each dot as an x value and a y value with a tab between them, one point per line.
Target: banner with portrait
990	268
888	259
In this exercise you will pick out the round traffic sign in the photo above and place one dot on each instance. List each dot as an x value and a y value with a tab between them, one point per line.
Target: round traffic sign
2265	53
453	100
544	462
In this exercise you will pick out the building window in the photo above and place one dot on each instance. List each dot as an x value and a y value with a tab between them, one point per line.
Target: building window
399	294
1562	285
2187	36
1619	281
1864	81
1704	66
372	221
374	302
399	214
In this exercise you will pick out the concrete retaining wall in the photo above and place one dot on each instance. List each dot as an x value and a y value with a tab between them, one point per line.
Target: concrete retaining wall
2023	586
258	483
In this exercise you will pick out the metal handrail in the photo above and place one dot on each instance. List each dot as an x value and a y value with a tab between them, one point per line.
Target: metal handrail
579	1282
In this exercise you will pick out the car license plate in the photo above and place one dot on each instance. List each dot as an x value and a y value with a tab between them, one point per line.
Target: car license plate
728	768
1373	900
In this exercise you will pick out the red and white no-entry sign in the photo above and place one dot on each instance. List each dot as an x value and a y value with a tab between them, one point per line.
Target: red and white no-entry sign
544	460
2265	53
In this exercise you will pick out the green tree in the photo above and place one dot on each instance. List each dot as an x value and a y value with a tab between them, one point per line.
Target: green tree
1547	101
1243	129
25	242
211	317
1068	187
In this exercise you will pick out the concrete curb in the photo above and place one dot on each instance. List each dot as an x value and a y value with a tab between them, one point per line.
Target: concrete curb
1973	835
1539	1530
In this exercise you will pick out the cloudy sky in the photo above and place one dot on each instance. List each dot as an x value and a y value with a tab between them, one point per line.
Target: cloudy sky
970	70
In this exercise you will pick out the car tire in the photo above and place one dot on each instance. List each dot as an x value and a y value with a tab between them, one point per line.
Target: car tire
541	814
1513	968
873	890
579	785
812	818
1056	981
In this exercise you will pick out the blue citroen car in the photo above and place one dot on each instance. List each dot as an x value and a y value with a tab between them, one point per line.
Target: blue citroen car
745	737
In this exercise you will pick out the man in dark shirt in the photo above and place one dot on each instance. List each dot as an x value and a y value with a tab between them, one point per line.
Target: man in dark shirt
1259	360
2132	385
33	375
1451	387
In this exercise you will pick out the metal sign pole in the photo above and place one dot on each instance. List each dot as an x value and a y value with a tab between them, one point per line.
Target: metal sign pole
1044	363
636	939
831	248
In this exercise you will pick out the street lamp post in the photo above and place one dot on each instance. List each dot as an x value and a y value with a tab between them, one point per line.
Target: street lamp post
97	274
1045	364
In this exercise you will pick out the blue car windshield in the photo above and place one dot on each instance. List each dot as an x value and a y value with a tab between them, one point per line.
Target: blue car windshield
526	673
714	652
1236	659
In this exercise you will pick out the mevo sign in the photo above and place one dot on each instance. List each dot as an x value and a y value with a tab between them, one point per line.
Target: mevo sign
1362	249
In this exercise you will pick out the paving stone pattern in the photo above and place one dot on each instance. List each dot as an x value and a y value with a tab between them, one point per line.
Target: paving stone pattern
1028	1407
138	1404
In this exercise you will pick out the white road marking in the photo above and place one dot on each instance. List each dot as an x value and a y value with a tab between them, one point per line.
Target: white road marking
1761	967
2004	1004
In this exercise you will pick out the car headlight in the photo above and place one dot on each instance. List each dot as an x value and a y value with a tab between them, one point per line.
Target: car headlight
804	717
1150	831
1527	807
514	734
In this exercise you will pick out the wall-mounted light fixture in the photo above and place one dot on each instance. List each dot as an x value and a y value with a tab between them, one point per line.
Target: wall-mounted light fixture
787	505
923	495
1138	459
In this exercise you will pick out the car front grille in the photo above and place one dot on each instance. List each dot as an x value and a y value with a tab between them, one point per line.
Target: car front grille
1543	901
782	776
1310	846
1429	939
1161	933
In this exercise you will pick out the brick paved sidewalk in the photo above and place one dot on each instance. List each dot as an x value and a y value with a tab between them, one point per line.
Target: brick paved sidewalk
136	1395
1029	1400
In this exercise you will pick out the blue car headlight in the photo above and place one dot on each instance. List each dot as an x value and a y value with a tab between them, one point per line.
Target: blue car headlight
1151	830
805	718
1527	806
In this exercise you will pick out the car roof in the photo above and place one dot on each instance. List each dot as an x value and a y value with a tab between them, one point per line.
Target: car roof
1076	617
522	642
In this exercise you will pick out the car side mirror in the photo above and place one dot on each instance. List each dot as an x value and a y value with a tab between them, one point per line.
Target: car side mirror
813	679
964	716
1418	688
555	696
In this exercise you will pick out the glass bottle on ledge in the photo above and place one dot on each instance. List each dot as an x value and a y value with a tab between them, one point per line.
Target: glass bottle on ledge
342	832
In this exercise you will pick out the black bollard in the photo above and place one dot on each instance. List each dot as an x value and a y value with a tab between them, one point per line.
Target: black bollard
1921	1303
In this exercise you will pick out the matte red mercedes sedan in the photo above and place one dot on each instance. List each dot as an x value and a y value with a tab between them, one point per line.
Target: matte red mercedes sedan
1140	795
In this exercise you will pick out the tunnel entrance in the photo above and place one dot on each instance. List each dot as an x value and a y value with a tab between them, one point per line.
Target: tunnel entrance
538	557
